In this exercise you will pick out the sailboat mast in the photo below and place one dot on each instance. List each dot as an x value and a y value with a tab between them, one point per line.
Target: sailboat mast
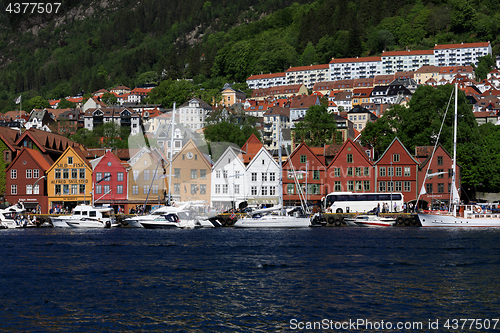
280	163
454	166
171	156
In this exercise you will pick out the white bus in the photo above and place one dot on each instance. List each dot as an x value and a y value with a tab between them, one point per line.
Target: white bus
349	202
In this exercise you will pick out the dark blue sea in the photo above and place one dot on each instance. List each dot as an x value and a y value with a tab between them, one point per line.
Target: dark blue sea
236	280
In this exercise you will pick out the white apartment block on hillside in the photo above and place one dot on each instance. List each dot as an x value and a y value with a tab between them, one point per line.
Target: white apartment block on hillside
266	80
355	68
402	61
460	54
307	75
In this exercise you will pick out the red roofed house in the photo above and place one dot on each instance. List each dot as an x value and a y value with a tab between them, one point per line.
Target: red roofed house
351	170
109	179
396	171
26	182
309	170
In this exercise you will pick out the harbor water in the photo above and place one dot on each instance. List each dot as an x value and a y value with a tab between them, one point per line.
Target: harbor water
248	280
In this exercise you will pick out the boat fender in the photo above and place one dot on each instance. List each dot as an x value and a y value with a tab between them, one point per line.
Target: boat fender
338	222
331	220
414	221
407	221
477	209
108	224
399	220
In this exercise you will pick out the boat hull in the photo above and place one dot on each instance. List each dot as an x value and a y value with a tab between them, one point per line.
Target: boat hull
449	221
159	225
273	222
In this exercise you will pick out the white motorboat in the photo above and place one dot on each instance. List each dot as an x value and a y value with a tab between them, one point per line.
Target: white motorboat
164	217
86	216
459	215
370	221
265	218
12	217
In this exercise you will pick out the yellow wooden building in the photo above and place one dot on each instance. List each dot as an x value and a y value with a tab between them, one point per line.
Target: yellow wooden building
69	180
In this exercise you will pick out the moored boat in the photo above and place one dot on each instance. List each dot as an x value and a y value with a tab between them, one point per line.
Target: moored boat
370	221
86	216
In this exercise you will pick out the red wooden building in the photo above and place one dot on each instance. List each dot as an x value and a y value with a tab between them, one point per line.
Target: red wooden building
26	182
109	180
351	170
438	187
397	171
309	169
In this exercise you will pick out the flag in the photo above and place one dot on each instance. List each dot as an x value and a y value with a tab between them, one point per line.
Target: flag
18	100
232	216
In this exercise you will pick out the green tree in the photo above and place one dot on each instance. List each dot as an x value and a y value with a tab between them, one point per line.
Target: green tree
170	91
65	104
317	128
109	99
37	102
484	66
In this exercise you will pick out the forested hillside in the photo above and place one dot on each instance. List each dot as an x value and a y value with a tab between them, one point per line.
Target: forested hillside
89	45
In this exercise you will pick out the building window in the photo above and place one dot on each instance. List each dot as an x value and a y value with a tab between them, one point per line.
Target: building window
217	188
224	174
225	188
74	173
146	174
350	185
264	176
440	160
177	188
203	189
29	173
382	172
441	175
264	190
253	190
145	189
289	188
98	176
440	187
303	158
395	157
13	189
366	171
316	174
203	175
390	171
217	174
82	188
66	189
82	173
359	185
107	176
407	186
336	172
194	173
29	189
381	186
399	171
98	189
36	173
70	160
407	171
177	173
358	172
154	189
254	176
349	171
349	158
74	189
337	187
398	185
272	176
366	185
136	175
236	188
119	176
194	188
57	189
119	189
135	189
428	188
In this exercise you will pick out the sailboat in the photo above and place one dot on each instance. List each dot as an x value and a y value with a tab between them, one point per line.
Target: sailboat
460	215
273	217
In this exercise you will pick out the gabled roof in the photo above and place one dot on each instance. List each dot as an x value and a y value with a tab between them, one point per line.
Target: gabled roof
396	139
9	137
35	155
46	141
251	147
349	143
303	101
78	151
427	69
298	150
278	111
262	151
424	153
